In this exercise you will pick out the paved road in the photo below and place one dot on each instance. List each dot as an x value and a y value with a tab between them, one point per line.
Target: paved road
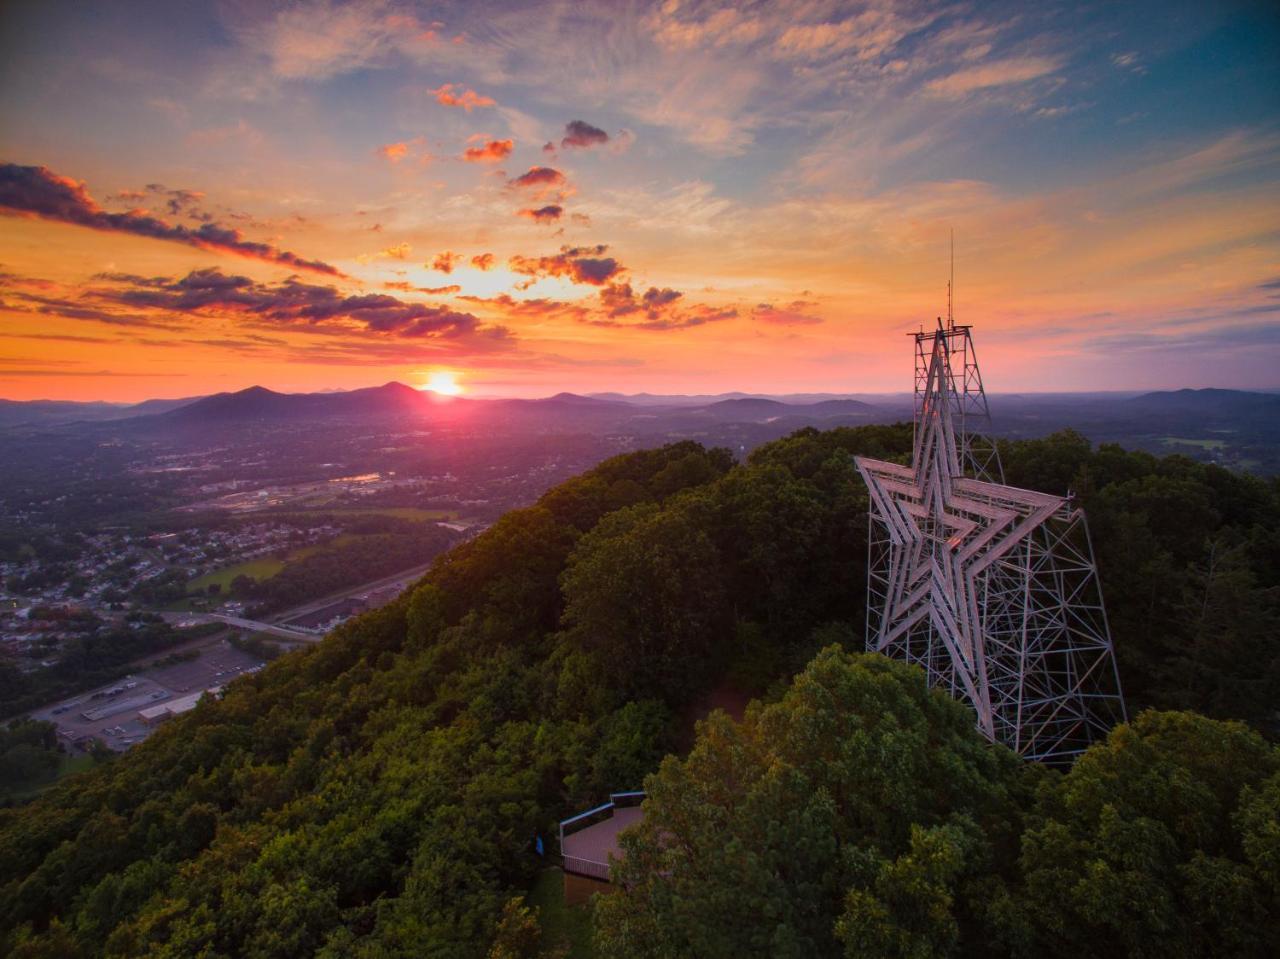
405	576
287	632
276	628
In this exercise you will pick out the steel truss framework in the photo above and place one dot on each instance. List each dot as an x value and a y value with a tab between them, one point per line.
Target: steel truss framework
991	589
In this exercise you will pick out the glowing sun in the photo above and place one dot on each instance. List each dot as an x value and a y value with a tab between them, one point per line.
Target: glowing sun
444	382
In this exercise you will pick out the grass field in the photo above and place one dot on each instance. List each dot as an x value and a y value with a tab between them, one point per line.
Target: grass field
265	568
341	540
561	923
69	764
1203	444
260	569
400	512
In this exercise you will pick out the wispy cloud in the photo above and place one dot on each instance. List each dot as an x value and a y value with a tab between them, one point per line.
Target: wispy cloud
455	95
796	313
996	73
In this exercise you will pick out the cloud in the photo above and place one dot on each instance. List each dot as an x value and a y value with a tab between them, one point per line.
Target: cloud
580	134
482	262
619	300
415	149
431	290
39	192
544	214
60	337
722	28
298	304
446	261
68	309
395	152
792	314
539	176
453	95
508	305
996	73
43	372
491	152
585	265
1128	61
322	39
1213	340
655	309
178	202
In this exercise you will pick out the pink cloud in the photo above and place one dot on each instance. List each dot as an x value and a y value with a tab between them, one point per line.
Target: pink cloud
445	262
586	265
791	314
539	176
997	73
545	214
395	152
491	152
454	95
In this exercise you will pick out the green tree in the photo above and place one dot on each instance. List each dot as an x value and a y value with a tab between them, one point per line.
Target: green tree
643	590
1159	842
519	934
860	794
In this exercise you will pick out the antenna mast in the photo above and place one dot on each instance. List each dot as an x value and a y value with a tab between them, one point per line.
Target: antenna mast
951	284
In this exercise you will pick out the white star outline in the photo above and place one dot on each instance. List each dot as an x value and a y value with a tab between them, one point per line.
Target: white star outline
945	530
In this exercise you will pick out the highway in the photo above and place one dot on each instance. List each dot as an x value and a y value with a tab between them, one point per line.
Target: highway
288	632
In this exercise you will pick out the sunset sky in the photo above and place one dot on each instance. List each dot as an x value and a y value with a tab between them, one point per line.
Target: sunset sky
673	197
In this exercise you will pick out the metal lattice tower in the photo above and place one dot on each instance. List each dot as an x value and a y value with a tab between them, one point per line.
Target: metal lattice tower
979	456
992	590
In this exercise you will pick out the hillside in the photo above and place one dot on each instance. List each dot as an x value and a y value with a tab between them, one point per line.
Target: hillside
378	794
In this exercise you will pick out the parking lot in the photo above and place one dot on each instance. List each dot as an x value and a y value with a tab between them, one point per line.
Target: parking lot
110	713
218	663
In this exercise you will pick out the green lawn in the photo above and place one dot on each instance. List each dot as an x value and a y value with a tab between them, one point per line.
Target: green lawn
560	922
260	569
68	764
342	539
400	512
265	568
1203	444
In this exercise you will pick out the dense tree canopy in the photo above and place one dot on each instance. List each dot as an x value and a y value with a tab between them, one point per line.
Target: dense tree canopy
377	795
752	845
863	815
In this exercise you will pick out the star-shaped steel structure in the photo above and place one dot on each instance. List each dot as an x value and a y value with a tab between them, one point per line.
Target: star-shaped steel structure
991	589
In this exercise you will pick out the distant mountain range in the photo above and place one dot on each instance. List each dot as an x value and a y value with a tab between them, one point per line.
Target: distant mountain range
258	404
1014	414
47	412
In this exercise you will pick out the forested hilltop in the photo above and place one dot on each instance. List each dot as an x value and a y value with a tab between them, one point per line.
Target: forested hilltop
377	795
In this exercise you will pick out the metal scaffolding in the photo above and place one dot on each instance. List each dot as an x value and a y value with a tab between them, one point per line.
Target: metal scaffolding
992	590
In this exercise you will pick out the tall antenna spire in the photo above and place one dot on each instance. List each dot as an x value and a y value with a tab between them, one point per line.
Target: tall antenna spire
951	284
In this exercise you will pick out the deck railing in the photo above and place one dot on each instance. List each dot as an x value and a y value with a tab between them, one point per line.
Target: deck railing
586	867
591	867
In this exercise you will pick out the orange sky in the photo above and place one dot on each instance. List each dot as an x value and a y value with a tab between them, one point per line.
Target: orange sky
681	198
